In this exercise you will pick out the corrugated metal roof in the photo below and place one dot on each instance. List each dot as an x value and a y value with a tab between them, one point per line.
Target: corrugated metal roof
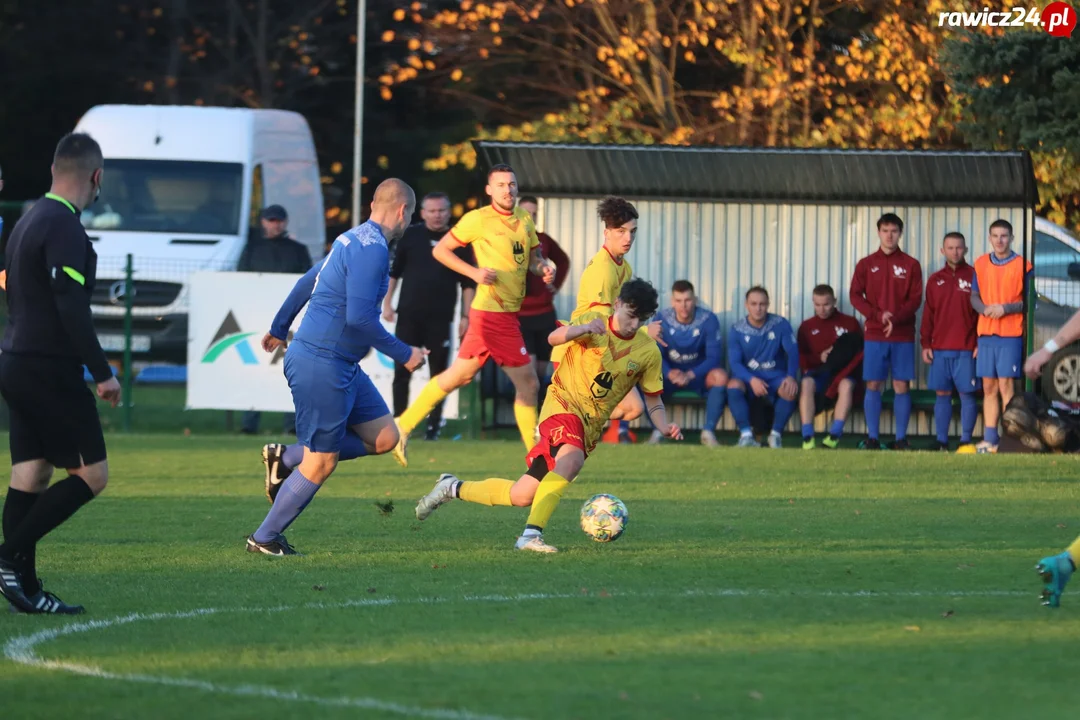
768	174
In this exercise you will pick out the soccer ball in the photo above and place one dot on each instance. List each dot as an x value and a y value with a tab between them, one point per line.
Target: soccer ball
604	517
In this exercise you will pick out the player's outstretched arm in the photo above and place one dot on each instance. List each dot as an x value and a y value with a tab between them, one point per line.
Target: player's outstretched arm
444	253
655	407
567	333
1069	333
294	303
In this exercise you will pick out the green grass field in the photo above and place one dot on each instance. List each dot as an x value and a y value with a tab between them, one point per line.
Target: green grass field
754	583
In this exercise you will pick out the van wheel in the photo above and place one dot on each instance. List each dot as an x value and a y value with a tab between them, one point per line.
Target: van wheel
1061	376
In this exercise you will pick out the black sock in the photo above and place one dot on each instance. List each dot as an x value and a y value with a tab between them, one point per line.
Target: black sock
16	508
53	507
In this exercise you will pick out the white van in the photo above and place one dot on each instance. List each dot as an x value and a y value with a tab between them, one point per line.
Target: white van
182	191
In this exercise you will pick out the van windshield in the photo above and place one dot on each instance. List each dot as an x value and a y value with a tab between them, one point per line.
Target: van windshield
168	196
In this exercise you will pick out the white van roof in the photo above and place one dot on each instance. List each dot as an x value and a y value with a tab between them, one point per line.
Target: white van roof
166	132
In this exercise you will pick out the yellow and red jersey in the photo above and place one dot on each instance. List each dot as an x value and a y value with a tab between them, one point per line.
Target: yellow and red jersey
597	372
600	284
503	242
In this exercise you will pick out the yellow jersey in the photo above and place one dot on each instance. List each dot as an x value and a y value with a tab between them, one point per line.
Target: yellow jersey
597	372
600	284
503	242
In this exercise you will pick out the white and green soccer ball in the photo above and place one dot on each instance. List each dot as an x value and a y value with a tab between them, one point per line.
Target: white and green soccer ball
604	517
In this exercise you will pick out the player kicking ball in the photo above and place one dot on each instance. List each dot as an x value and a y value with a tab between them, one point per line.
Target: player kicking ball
605	359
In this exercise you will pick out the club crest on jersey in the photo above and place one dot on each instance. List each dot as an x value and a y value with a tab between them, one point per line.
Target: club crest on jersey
519	252
772	335
601	384
899	271
631	368
964	285
839	330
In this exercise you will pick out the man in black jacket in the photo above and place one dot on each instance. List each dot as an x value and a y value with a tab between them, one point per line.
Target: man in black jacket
429	293
51	269
273	251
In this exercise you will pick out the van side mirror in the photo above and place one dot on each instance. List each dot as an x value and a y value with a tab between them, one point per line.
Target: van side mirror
1074	270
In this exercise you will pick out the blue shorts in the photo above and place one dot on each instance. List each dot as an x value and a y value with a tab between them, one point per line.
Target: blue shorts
1000	357
952	369
330	395
880	359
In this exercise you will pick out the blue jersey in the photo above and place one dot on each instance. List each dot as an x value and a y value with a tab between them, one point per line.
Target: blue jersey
695	346
767	352
344	295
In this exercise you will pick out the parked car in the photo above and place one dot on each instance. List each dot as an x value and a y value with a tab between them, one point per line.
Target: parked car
1056	255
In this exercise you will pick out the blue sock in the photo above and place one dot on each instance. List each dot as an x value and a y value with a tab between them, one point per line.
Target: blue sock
872	410
782	412
740	408
293	455
807	431
990	434
714	407
969	413
942	417
837	428
902	410
351	446
295	494
624	426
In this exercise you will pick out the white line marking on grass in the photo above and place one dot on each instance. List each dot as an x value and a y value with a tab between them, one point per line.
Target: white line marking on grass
22	649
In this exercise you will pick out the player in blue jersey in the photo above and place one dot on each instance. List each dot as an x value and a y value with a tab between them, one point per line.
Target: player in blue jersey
339	413
693	356
764	358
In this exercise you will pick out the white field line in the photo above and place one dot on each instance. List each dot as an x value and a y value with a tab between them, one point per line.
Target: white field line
22	649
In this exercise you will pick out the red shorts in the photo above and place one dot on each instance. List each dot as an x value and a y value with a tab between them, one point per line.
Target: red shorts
496	335
557	430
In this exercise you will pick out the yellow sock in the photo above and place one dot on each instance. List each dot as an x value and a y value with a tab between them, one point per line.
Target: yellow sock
526	422
493	491
1074	551
547	499
429	397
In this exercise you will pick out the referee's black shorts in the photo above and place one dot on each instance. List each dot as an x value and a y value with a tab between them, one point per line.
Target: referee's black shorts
53	412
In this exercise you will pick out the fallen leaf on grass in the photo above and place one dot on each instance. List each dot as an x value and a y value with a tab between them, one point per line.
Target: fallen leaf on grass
947	614
371	590
1061	525
913	628
755	695
385	508
318	588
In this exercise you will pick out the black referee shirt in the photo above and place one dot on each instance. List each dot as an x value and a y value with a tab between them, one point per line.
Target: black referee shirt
428	288
51	270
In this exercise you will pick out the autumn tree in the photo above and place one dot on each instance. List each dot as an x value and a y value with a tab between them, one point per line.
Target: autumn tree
732	72
1021	89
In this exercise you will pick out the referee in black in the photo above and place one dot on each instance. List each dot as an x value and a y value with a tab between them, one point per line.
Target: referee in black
425	311
49	337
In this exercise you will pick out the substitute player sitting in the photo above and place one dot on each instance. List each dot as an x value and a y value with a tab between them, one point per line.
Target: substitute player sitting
817	338
693	356
507	249
764	359
605	359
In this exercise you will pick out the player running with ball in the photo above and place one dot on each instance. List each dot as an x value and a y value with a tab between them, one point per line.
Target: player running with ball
605	358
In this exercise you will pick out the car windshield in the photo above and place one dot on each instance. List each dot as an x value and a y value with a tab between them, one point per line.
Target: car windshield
168	196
